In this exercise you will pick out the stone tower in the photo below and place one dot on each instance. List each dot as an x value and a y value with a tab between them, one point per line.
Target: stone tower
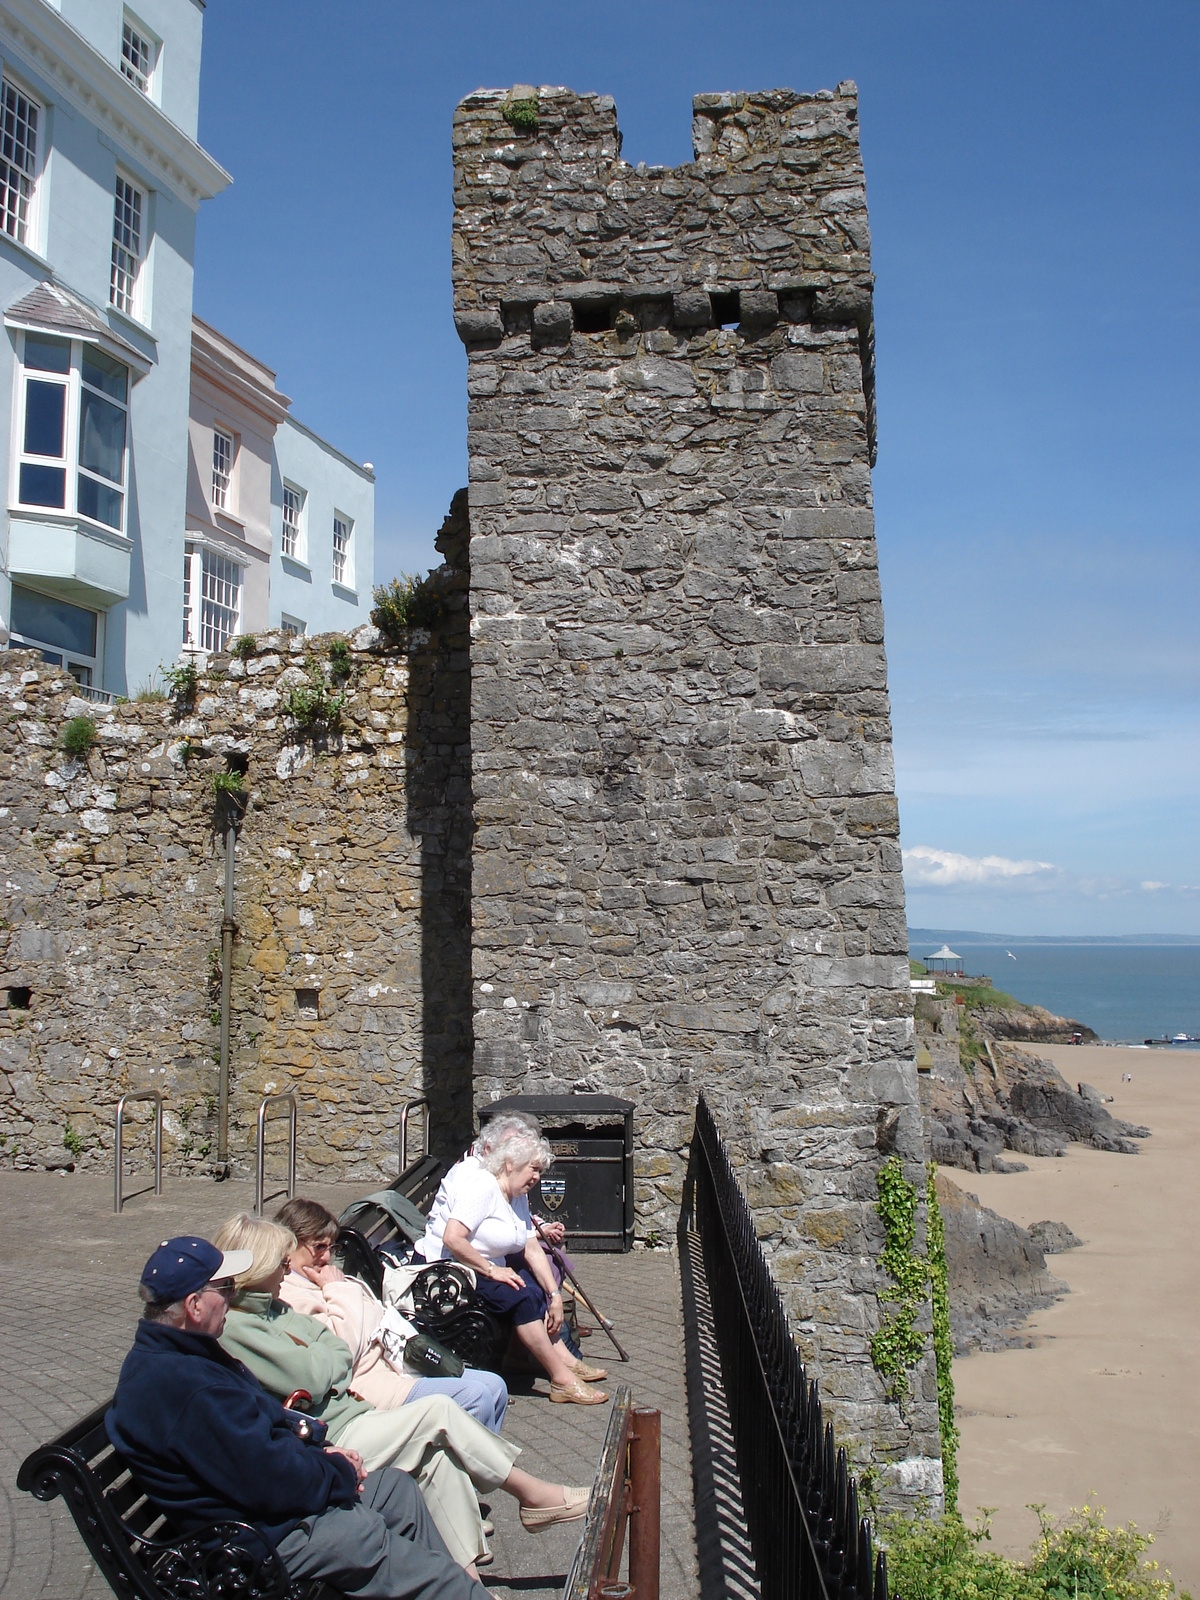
687	866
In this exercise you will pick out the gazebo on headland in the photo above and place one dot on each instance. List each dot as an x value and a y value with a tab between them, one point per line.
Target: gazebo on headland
945	960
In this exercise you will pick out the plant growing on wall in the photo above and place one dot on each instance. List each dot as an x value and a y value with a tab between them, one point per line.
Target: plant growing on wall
407	602
227	783
897	1346
182	679
521	115
244	646
341	663
77	737
312	709
943	1344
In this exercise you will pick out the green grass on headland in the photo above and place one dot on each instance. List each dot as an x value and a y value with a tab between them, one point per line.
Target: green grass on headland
978	996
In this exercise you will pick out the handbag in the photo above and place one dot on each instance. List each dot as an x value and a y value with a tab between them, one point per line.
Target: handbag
431	1359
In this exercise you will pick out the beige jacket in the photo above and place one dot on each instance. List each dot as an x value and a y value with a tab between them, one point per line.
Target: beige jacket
349	1309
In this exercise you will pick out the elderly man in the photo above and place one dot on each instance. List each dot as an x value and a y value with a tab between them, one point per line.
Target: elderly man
208	1444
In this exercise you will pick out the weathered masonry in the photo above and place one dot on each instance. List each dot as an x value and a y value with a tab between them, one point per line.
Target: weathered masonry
686	868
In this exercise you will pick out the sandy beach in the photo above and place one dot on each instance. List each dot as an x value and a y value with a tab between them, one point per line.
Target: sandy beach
1108	1403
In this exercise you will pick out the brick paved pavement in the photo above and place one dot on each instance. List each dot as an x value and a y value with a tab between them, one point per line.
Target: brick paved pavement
68	1305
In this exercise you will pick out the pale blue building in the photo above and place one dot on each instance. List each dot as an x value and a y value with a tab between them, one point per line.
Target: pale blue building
322	565
100	181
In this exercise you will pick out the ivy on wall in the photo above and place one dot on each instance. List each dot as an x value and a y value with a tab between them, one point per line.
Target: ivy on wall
943	1346
897	1346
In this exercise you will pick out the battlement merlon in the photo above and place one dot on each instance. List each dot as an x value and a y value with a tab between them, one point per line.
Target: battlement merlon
770	217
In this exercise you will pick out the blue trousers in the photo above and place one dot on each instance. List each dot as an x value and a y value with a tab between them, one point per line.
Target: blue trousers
483	1395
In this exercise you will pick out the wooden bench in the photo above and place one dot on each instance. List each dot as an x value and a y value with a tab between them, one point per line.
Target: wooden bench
138	1552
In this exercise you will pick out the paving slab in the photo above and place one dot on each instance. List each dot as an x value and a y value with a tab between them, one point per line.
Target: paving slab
68	1307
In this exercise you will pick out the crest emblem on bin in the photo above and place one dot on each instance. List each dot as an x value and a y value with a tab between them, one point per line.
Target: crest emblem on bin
554	1191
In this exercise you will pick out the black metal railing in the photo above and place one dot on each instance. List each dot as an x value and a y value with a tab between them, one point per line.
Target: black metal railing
801	1504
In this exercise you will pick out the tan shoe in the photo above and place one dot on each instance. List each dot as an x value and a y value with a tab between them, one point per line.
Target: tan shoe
576	1394
535	1519
587	1374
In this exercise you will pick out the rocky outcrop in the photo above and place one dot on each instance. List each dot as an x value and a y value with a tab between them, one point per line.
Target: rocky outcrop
1052	1238
1032	1025
996	1273
983	1096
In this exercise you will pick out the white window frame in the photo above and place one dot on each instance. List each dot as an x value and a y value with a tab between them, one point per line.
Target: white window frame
206	571
136	38
130	218
295	627
342	564
299	542
85	669
223	463
24	228
72	381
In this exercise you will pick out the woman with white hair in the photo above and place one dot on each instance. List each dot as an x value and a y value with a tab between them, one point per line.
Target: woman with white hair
481	1218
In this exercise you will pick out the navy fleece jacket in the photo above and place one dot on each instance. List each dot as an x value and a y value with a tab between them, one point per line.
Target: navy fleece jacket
207	1443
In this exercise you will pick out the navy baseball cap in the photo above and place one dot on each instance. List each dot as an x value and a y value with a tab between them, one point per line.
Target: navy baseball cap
180	1267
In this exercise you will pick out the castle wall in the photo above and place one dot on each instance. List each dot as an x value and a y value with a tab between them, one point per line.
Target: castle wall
351	959
686	868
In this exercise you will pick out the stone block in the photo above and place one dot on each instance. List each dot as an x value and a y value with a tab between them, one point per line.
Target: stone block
691	308
552	322
479	327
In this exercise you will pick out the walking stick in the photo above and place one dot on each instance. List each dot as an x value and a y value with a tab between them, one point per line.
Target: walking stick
579	1290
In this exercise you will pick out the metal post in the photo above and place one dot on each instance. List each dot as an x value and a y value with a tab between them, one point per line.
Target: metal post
645	1482
118	1143
227	932
411	1105
288	1098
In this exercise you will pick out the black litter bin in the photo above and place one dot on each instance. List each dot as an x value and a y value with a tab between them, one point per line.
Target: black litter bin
590	1185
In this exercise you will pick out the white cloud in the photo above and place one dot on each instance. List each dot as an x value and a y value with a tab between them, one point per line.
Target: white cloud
927	868
1150	883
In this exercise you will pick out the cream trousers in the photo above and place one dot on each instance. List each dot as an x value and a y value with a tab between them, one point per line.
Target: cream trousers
447	1452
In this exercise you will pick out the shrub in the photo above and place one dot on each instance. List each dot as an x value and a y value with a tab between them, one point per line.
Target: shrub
341	664
77	737
227	783
244	646
1077	1559
521	115
406	602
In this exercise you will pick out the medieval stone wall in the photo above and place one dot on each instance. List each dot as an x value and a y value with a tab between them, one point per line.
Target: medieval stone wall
351	960
687	868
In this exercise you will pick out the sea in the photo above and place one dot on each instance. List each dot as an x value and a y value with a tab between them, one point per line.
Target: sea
1125	990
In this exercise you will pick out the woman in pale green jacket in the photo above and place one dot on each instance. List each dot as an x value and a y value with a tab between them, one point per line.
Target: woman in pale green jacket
448	1453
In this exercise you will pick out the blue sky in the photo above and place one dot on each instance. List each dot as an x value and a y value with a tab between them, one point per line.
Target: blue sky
1032	177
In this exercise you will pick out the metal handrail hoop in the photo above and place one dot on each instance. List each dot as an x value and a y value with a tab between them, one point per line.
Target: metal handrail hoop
406	1108
288	1098
141	1094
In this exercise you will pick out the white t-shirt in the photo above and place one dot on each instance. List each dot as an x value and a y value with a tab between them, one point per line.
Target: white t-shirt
470	1194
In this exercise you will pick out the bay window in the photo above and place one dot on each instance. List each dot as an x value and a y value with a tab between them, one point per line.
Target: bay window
72	430
65	634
